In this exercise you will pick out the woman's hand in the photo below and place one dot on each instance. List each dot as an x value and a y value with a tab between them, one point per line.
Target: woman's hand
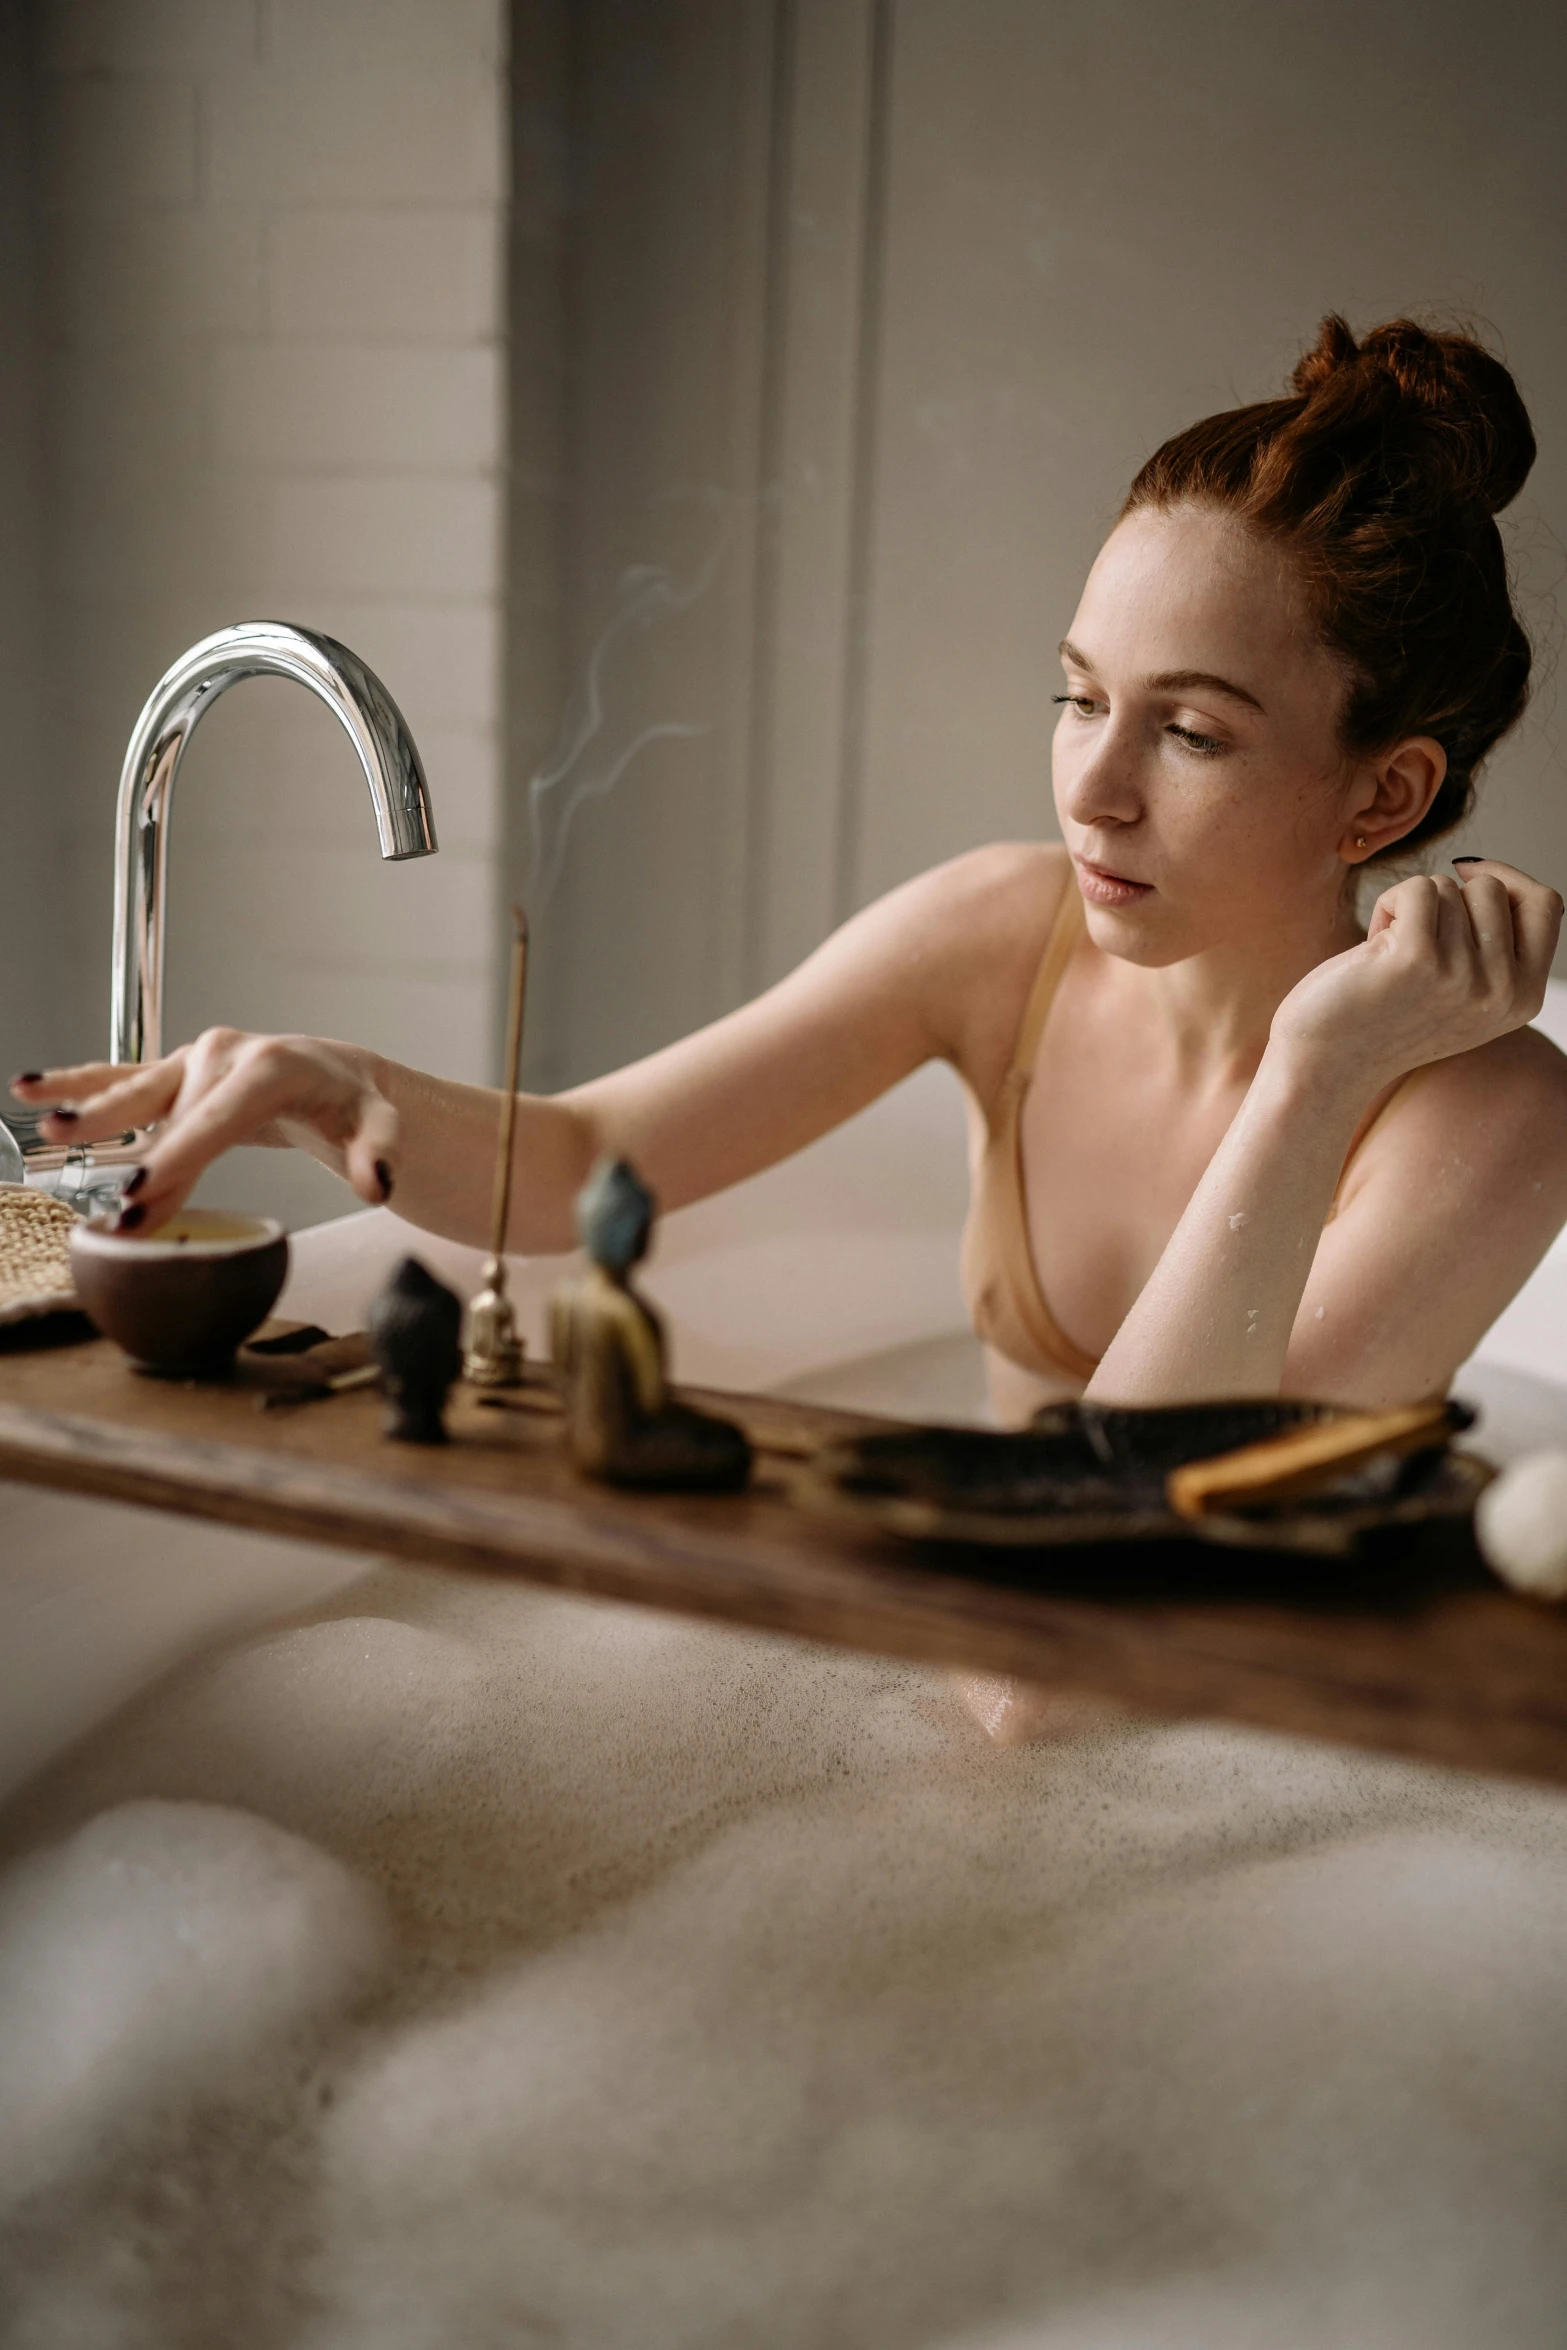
1443	968
226	1088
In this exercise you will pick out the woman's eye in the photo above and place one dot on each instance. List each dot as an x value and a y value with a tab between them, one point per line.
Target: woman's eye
1205	745
1083	704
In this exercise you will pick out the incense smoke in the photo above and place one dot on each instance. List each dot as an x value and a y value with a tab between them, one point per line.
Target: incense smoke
646	592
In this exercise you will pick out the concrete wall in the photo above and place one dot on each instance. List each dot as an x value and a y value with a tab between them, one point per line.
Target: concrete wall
878	305
638	892
273	248
685	843
34	896
538	522
1099	230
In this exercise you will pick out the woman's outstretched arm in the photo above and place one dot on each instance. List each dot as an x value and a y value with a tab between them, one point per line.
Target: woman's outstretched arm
894	987
1468	1186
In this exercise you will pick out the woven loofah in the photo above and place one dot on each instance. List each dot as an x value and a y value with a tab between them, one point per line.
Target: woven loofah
35	1264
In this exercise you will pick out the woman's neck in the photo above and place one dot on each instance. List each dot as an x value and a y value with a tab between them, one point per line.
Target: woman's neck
1213	1009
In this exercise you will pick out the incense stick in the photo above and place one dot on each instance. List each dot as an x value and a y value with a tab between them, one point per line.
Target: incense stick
494	1355
501	1208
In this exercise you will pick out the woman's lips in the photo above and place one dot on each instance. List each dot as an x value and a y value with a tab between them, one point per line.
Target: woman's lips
1101	887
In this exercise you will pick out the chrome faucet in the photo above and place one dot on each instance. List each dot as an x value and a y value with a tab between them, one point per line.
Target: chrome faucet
256	648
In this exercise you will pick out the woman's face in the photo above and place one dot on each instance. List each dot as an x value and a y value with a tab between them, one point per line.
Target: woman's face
1199	779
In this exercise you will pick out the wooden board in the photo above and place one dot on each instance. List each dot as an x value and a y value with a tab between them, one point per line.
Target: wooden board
1423	1655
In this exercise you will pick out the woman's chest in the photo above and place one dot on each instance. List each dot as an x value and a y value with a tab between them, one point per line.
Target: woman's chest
1112	1149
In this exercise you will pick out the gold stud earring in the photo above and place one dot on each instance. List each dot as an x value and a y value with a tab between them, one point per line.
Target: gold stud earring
1360	840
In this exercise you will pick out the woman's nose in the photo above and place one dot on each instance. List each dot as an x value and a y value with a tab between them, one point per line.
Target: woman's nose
1101	785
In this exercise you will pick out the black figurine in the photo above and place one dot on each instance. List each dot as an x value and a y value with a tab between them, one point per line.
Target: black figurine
415	1323
608	1344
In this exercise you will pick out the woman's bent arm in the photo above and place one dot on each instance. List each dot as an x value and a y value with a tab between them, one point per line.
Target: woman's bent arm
1470	1182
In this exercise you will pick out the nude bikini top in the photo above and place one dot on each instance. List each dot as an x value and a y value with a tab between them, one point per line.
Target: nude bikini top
1001	1283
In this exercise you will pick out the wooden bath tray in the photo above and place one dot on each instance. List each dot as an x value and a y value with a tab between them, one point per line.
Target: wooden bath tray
1422	1654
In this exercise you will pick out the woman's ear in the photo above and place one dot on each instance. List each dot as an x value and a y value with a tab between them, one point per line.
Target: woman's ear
1395	792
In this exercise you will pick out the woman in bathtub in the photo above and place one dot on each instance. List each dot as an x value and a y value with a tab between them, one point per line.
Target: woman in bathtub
1224	1141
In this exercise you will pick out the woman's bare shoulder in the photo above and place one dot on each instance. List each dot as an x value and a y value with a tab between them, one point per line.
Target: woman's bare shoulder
984	919
1519	1080
1004	873
995	902
1500	1110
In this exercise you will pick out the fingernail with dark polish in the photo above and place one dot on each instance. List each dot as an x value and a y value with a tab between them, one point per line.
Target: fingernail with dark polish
133	1182
28	1077
383	1176
129	1218
63	1117
1466	860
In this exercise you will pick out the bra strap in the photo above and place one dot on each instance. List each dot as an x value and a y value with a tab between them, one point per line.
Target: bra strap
1064	934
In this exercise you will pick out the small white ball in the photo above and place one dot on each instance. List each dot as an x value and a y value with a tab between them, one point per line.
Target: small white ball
1521	1525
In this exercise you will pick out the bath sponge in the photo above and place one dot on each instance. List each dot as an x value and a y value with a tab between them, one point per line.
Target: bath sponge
1521	1525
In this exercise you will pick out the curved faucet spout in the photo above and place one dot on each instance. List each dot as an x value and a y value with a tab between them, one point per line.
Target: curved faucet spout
256	648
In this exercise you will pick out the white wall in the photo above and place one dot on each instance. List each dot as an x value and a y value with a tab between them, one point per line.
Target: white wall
273	252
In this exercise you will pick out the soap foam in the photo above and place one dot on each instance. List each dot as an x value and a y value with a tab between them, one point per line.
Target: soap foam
747	1994
157	1954
854	2076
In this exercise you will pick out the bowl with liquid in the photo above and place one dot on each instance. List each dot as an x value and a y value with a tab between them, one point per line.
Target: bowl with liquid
181	1298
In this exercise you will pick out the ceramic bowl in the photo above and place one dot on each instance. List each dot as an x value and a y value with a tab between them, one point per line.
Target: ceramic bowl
182	1298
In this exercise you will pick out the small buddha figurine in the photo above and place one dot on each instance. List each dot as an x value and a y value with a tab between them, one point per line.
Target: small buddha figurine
414	1324
622	1425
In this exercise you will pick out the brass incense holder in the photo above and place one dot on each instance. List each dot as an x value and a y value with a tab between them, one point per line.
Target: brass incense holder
494	1355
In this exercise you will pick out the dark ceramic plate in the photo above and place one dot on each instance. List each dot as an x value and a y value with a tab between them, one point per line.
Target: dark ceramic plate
1087	1473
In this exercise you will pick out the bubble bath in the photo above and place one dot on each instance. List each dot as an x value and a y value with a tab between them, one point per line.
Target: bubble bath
459	1963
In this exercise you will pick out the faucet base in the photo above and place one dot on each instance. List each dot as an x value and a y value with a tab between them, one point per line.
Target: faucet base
84	1175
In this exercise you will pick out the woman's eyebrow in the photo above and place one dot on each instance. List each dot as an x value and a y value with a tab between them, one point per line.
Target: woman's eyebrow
1175	681
1170	681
